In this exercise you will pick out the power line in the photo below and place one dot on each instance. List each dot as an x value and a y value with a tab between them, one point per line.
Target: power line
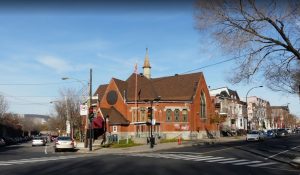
210	65
34	84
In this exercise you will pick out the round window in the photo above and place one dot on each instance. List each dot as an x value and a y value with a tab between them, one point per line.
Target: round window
112	97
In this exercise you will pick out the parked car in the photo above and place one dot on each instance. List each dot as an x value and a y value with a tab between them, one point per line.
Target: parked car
289	130
38	141
282	133
255	136
271	133
2	142
64	143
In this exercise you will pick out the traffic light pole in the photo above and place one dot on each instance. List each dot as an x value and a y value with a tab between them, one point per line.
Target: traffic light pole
151	129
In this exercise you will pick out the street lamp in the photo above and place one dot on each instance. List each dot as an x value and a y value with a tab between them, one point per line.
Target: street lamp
248	123
83	83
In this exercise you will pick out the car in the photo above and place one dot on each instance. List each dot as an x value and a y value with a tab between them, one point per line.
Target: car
64	143
2	142
38	141
255	136
289	130
271	134
282	132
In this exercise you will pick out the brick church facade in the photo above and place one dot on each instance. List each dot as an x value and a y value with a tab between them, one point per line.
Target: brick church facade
181	105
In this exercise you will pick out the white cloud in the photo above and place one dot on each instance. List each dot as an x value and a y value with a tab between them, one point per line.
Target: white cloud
59	65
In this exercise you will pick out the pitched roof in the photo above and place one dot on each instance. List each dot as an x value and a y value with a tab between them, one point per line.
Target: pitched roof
114	116
178	87
171	88
100	91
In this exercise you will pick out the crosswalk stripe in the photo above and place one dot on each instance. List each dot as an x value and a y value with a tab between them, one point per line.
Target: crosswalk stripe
41	159
211	158
220	160
233	161
251	162
187	157
262	164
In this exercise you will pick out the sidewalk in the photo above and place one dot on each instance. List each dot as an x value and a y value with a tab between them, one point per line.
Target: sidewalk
159	146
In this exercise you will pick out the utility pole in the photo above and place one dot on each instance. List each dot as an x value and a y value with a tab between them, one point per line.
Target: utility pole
91	119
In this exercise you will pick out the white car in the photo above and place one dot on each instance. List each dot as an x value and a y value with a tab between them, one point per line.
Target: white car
38	141
64	143
255	136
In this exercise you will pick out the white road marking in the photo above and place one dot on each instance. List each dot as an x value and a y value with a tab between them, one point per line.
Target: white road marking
281	152
262	164
212	158
234	161
4	164
42	159
245	163
209	159
220	160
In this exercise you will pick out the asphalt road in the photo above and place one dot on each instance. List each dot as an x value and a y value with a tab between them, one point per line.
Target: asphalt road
268	157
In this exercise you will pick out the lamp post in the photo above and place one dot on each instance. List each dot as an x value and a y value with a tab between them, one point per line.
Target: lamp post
248	123
87	125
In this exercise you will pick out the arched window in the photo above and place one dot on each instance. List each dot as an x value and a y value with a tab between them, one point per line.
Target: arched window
184	115
168	115
203	105
176	115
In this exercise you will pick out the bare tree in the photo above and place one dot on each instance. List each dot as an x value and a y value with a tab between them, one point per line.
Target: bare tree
3	106
263	36
68	108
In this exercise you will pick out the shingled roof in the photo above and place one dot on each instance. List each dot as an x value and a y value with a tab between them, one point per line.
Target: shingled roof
171	88
114	116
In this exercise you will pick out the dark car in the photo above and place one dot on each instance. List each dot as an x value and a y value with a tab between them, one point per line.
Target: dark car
282	133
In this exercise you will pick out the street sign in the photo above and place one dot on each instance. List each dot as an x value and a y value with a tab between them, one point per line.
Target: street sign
83	110
153	122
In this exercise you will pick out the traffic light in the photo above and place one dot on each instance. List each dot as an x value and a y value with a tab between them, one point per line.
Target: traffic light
149	115
91	113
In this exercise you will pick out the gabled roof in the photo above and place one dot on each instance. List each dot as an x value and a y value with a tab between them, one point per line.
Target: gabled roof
114	116
224	92
171	88
100	91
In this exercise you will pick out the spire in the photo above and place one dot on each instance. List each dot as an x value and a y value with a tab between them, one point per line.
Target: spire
147	67
147	62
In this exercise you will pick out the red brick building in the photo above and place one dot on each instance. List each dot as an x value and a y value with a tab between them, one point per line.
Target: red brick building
181	105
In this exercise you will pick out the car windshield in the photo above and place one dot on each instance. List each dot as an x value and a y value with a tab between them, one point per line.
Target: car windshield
253	132
37	138
64	138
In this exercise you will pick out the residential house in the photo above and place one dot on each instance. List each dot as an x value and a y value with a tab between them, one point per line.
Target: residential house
259	115
279	116
229	106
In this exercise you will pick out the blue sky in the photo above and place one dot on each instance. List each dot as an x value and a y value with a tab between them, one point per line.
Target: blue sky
40	47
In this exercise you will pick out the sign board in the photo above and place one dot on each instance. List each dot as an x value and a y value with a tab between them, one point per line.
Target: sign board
153	121
83	110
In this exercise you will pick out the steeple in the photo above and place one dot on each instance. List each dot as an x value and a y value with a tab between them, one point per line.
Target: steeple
147	67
